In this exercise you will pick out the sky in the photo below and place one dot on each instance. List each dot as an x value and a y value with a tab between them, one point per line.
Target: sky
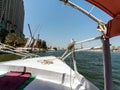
58	23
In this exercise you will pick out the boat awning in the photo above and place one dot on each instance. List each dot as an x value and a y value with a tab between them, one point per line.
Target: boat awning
112	8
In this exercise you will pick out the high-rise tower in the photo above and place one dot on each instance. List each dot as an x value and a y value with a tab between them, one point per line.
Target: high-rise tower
12	15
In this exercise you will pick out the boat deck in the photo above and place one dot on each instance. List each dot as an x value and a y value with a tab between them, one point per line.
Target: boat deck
49	63
51	74
39	84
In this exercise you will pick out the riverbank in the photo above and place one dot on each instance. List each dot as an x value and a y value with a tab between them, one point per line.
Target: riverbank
100	50
8	57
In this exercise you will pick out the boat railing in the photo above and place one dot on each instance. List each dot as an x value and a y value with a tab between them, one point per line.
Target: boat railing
72	45
72	49
12	50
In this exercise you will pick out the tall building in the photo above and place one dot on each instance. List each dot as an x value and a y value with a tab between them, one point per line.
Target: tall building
12	15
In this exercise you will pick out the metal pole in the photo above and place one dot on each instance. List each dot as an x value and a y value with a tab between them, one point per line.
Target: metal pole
74	61
30	31
82	10
107	64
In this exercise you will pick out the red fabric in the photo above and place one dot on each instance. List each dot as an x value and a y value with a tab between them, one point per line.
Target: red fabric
12	80
111	7
113	27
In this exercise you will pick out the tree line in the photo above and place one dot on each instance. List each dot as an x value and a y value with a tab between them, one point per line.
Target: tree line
13	39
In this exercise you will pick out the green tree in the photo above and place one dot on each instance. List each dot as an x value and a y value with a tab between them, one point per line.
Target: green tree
38	45
14	39
22	42
41	44
3	34
44	44
11	39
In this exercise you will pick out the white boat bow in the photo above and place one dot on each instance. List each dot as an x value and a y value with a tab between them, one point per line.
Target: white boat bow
51	74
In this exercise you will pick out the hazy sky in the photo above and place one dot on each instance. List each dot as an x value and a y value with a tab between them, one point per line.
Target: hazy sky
58	23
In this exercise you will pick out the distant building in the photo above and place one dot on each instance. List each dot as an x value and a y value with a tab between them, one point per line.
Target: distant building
12	15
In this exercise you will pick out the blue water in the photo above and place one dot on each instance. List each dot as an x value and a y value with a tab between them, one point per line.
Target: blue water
90	64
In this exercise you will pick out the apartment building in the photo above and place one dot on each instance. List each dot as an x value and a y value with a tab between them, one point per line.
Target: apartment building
12	15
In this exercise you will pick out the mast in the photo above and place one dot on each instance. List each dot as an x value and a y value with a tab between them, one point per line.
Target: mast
32	38
30	31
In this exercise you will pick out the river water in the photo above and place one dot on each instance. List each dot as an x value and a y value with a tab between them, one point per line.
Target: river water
90	65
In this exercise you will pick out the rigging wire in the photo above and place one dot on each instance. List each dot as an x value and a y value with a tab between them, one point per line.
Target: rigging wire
91	9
